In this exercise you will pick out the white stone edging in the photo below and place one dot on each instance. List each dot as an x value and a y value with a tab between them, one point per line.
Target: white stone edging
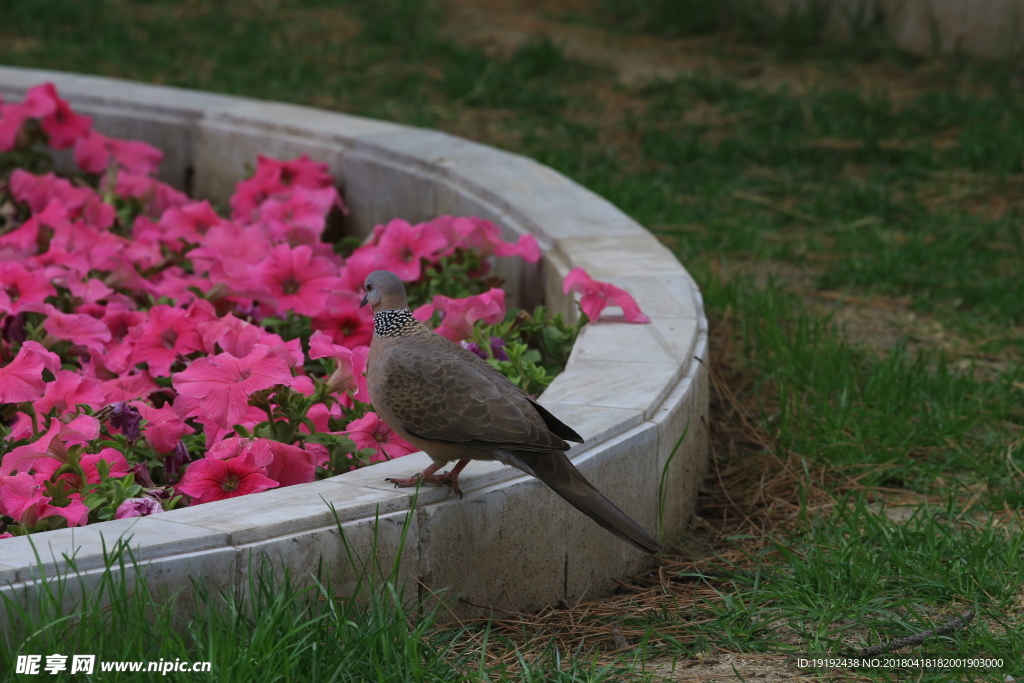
630	390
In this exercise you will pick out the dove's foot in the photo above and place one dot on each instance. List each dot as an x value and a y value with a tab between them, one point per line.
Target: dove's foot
427	475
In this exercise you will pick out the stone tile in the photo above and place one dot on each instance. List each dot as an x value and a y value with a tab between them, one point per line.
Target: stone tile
476	476
614	341
614	384
513	182
359	562
376	191
678	336
665	296
611	258
685	410
625	469
501	549
573	214
167	578
148	537
555	270
430	151
279	118
279	512
594	423
522	281
174	576
7	574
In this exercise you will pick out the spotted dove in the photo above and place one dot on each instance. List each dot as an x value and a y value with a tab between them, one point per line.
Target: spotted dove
455	406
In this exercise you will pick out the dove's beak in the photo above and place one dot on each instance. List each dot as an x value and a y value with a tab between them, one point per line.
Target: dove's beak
364	301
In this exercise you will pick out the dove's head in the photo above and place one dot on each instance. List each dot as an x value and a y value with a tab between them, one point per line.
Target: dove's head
384	292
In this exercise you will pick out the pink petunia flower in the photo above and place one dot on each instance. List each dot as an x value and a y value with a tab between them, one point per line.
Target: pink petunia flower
526	248
75	512
189	222
25	238
274	178
224	383
461	314
20	287
350	366
121	319
40	100
164	428
52	444
291	464
67	391
209	479
345	321
78	329
284	463
22	378
237	337
228	251
403	246
156	197
299	219
169	333
484	238
24	500
39	190
598	295
400	249
88	291
12	116
95	152
116	465
370	431
138	507
18	492
129	387
298	280
63	125
320	415
60	123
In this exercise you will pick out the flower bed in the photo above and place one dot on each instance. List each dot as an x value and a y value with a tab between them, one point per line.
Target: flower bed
636	393
157	355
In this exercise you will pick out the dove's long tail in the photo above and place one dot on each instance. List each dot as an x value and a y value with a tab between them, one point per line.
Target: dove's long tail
554	469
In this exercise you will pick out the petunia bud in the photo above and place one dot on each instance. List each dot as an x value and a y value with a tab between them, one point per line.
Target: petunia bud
138	507
141	472
127	419
498	348
175	461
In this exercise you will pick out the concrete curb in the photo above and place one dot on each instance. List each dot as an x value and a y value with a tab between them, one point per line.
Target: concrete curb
630	390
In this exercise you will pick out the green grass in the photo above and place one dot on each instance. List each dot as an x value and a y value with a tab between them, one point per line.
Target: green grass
908	189
860	577
931	426
279	628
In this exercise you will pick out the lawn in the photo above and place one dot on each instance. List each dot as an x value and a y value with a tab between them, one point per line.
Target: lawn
854	219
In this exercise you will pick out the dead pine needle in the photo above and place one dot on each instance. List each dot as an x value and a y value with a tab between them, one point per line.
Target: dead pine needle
917	638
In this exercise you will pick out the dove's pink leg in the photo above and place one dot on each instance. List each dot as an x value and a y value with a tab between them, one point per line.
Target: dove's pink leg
428	475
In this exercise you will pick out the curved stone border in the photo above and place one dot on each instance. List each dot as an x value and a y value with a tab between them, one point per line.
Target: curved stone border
630	390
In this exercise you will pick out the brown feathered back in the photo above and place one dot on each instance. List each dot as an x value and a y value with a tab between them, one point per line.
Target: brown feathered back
439	391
